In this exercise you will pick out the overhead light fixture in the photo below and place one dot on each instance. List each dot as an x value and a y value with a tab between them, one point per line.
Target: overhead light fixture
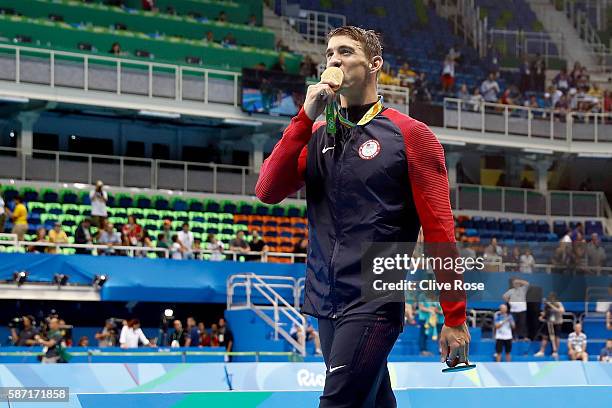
60	279
538	151
157	114
242	122
168	313
596	155
99	281
20	277
15	99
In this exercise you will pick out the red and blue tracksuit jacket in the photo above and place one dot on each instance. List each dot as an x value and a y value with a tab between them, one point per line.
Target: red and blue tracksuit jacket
384	181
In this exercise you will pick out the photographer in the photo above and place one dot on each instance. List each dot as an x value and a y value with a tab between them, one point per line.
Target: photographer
53	344
27	331
108	337
98	198
552	318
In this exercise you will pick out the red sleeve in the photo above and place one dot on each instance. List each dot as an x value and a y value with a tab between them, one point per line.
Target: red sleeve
282	173
430	191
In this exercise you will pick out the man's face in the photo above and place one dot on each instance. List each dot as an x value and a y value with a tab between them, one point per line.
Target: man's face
503	308
177	324
191	322
578	328
54	324
222	322
186	227
348	55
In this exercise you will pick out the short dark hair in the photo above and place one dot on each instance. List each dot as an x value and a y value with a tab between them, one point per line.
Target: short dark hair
369	39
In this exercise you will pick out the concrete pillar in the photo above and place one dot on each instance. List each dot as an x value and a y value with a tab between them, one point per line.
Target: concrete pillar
541	180
452	159
25	140
258	140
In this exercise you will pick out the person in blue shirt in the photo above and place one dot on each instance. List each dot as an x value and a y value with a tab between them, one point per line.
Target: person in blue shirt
192	338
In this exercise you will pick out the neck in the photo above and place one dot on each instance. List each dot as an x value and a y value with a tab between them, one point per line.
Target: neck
369	95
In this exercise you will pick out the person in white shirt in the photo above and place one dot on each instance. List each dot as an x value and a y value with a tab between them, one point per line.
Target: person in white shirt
186	239
216	246
489	89
504	324
98	198
517	298
176	249
527	262
2	213
577	344
131	335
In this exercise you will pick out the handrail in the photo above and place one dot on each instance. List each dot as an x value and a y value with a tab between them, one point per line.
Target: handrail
593	293
523	39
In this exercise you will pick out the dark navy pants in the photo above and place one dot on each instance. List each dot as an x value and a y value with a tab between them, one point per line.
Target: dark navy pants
355	349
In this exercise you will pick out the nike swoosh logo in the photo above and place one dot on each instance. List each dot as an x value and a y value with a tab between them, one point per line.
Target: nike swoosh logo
332	369
327	148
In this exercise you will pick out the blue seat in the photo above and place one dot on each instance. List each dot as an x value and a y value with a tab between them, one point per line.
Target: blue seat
30	195
213	206
196	206
69	198
246	209
278	211
125	202
50	197
229	208
179	205
143	202
518	226
162	204
543	226
293	212
559	227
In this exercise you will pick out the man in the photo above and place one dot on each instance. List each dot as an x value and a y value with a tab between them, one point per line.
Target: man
178	336
504	324
82	235
27	334
596	254
193	334
577	344
489	89
257	244
378	177
108	337
186	239
20	218
98	198
552	317
516	296
239	244
225	336
310	335
53	342
108	236
605	356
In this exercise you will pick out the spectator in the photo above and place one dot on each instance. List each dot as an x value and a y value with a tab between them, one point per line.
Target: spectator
561	257
176	249
578	231
562	81
222	17
464	94
280	65
41	237
257	245
448	75
226	337
489	89
108	336
562	106
538	73
239	244
98	198
27	333
197	248
252	20
3	212
186	239
20	218
552	318
421	88
514	259
216	247
301	248
406	75
132	335
516	296
504	325
53	343
310	335
83	342
493	250
525	73
210	37
527	262
229	40
178	336
162	242
579	254
430	319
596	254
56	236
575	74
167	230
476	100
192	338
209	339
116	49
577	344
149	5
605	355
308	67
132	232
108	236
82	235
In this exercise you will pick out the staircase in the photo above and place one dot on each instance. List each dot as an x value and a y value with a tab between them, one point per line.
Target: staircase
554	21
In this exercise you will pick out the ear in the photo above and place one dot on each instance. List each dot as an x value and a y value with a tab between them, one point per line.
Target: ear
375	64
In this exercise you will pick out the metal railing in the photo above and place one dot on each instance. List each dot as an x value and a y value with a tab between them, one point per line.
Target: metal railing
595	294
474	28
255	285
518	43
515	120
10	240
121	171
313	25
116	69
475	197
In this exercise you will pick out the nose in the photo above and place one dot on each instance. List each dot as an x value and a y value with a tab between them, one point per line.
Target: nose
334	61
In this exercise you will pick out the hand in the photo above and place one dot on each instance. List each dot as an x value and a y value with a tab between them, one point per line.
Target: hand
455	341
317	98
